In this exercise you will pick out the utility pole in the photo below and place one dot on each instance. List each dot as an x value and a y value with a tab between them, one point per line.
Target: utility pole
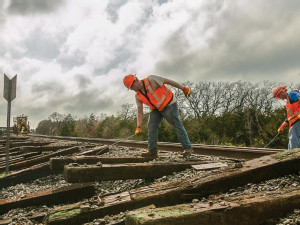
9	93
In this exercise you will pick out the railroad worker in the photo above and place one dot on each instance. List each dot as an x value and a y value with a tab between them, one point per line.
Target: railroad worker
153	92
293	114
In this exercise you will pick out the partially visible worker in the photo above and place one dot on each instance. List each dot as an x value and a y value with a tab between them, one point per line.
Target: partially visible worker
153	92
293	114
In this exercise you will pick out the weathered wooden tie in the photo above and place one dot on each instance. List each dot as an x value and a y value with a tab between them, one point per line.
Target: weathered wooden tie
18	144
253	171
30	149
37	217
99	151
20	154
3	142
13	149
89	173
40	159
16	138
209	166
244	212
58	163
25	175
20	150
15	159
43	148
71	193
168	193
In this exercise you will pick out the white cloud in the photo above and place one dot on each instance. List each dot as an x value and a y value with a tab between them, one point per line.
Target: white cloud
71	56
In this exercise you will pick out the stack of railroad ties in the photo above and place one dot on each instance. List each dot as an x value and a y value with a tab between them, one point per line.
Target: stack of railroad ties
168	193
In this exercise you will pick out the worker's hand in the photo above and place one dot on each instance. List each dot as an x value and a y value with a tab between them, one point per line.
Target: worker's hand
187	91
138	131
281	128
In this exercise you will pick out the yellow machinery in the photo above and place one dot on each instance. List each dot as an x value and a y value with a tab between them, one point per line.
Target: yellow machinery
21	125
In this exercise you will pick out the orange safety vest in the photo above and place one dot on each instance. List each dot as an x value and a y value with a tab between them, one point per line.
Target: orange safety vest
156	99
293	110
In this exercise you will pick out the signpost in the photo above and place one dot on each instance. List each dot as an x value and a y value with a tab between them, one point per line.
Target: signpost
9	93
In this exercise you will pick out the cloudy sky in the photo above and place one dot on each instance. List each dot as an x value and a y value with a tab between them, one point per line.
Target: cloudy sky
70	56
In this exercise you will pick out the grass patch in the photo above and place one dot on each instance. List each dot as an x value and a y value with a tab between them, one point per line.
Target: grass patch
66	213
284	154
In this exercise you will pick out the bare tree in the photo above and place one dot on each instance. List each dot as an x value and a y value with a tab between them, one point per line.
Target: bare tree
127	112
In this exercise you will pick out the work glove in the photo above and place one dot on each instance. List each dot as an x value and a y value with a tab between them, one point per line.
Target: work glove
138	131
281	128
187	91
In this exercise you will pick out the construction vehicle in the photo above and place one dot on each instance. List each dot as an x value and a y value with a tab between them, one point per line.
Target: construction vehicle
21	124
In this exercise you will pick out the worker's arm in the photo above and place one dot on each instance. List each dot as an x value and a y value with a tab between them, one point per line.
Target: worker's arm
140	115
187	91
281	128
173	83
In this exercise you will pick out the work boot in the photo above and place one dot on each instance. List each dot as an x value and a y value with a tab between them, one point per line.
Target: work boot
149	154
187	153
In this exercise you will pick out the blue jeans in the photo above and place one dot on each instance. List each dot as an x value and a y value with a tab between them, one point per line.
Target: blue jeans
170	113
294	136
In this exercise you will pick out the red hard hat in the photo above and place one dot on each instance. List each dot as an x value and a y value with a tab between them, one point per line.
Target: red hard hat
128	80
277	90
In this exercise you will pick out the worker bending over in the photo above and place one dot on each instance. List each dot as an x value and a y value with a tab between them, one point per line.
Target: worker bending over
293	114
153	92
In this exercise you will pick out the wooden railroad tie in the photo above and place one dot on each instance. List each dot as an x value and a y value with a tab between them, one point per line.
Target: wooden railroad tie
171	192
104	172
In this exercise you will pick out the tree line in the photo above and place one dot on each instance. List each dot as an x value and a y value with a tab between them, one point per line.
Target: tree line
218	113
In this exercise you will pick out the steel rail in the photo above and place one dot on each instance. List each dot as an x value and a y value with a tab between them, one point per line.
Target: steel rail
201	149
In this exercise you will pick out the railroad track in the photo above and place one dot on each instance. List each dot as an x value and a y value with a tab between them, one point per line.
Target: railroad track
216	150
110	180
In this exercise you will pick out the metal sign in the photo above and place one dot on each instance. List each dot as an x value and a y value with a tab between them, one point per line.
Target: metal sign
9	91
6	87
